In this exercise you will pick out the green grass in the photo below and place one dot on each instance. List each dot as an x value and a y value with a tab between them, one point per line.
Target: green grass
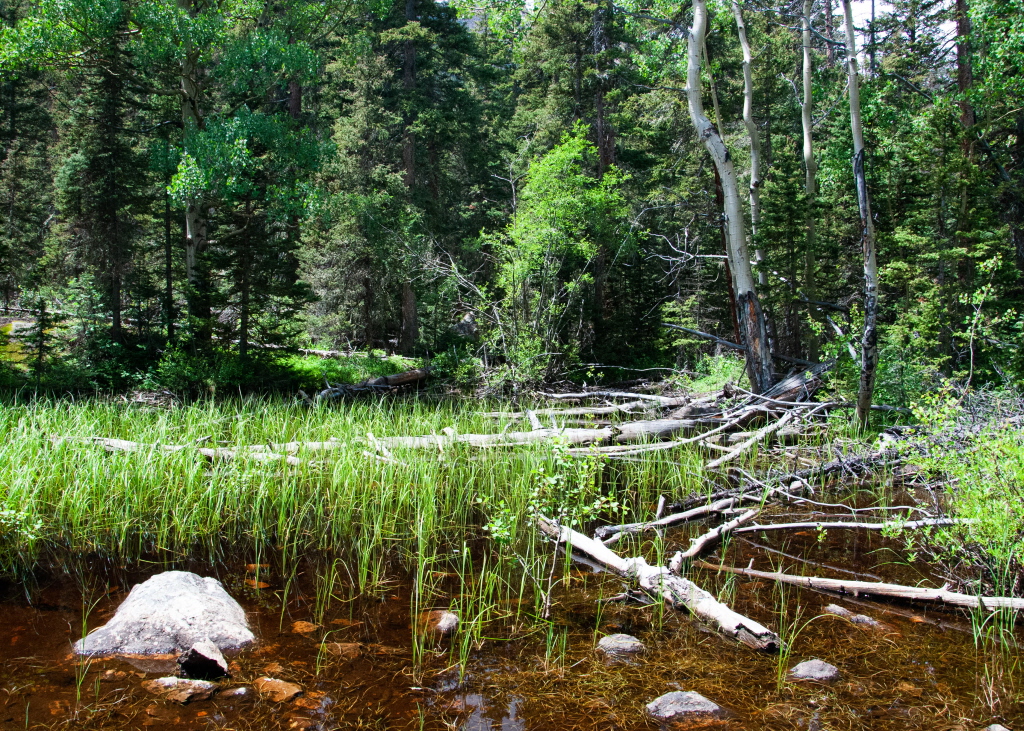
985	488
61	499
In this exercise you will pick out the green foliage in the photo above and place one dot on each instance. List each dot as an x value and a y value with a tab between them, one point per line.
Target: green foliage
567	218
370	173
982	459
566	490
459	366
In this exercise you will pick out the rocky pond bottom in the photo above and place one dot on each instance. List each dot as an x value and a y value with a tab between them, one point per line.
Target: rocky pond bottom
851	665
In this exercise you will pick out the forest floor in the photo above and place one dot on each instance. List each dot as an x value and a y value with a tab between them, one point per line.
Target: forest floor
331	526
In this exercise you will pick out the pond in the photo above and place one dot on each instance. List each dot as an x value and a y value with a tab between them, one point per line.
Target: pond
924	669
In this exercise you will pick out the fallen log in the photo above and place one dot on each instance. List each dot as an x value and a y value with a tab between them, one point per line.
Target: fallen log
701	542
846	525
757	436
381	384
575	411
663	400
878	589
258	453
604	533
661	584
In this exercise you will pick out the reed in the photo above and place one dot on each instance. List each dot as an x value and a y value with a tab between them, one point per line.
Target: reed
62	498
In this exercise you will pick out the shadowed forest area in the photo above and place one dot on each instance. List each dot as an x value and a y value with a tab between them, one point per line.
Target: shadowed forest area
496	365
193	190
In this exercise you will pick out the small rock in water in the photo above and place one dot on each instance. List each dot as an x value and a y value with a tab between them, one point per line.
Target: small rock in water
180	690
204	661
304	628
818	671
278	691
861	619
167	614
684	706
996	727
439	621
620	646
343	650
240	691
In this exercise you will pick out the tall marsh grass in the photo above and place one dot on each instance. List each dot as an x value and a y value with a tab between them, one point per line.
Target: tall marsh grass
61	496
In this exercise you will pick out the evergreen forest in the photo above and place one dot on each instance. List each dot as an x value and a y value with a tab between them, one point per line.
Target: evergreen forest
193	191
436	365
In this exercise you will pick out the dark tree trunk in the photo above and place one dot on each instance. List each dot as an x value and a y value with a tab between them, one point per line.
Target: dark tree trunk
410	327
168	259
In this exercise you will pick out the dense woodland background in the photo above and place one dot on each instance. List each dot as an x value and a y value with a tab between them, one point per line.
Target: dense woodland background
515	193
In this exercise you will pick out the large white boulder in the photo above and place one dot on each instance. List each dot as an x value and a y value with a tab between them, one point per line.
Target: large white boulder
167	615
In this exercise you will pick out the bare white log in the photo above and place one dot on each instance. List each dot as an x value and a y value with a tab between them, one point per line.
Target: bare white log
257	453
576	411
611	533
748	307
757	437
871	588
661	584
850	525
701	542
663	400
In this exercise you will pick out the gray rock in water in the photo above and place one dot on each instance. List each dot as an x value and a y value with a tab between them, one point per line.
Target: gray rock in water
439	622
168	614
239	691
996	727
684	706
620	646
180	690
818	671
203	660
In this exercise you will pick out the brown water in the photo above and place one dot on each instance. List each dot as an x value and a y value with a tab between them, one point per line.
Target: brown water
926	673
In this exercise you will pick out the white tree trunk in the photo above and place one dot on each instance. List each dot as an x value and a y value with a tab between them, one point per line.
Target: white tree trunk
869	338
755	143
749	313
811	172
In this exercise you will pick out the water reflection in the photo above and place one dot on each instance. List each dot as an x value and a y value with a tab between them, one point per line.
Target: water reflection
479	721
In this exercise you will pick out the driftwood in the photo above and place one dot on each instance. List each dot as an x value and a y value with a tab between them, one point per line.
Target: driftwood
846	525
879	589
381	384
611	533
575	411
757	437
659	583
701	542
258	453
662	400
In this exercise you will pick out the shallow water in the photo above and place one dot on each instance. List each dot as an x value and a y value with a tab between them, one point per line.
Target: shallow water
926	673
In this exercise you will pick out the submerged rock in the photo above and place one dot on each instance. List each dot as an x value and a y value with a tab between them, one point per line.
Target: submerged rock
203	660
680	706
169	613
817	671
278	691
180	690
860	619
239	691
439	621
344	650
620	646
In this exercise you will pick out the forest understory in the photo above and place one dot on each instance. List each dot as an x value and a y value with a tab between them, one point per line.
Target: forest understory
699	323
